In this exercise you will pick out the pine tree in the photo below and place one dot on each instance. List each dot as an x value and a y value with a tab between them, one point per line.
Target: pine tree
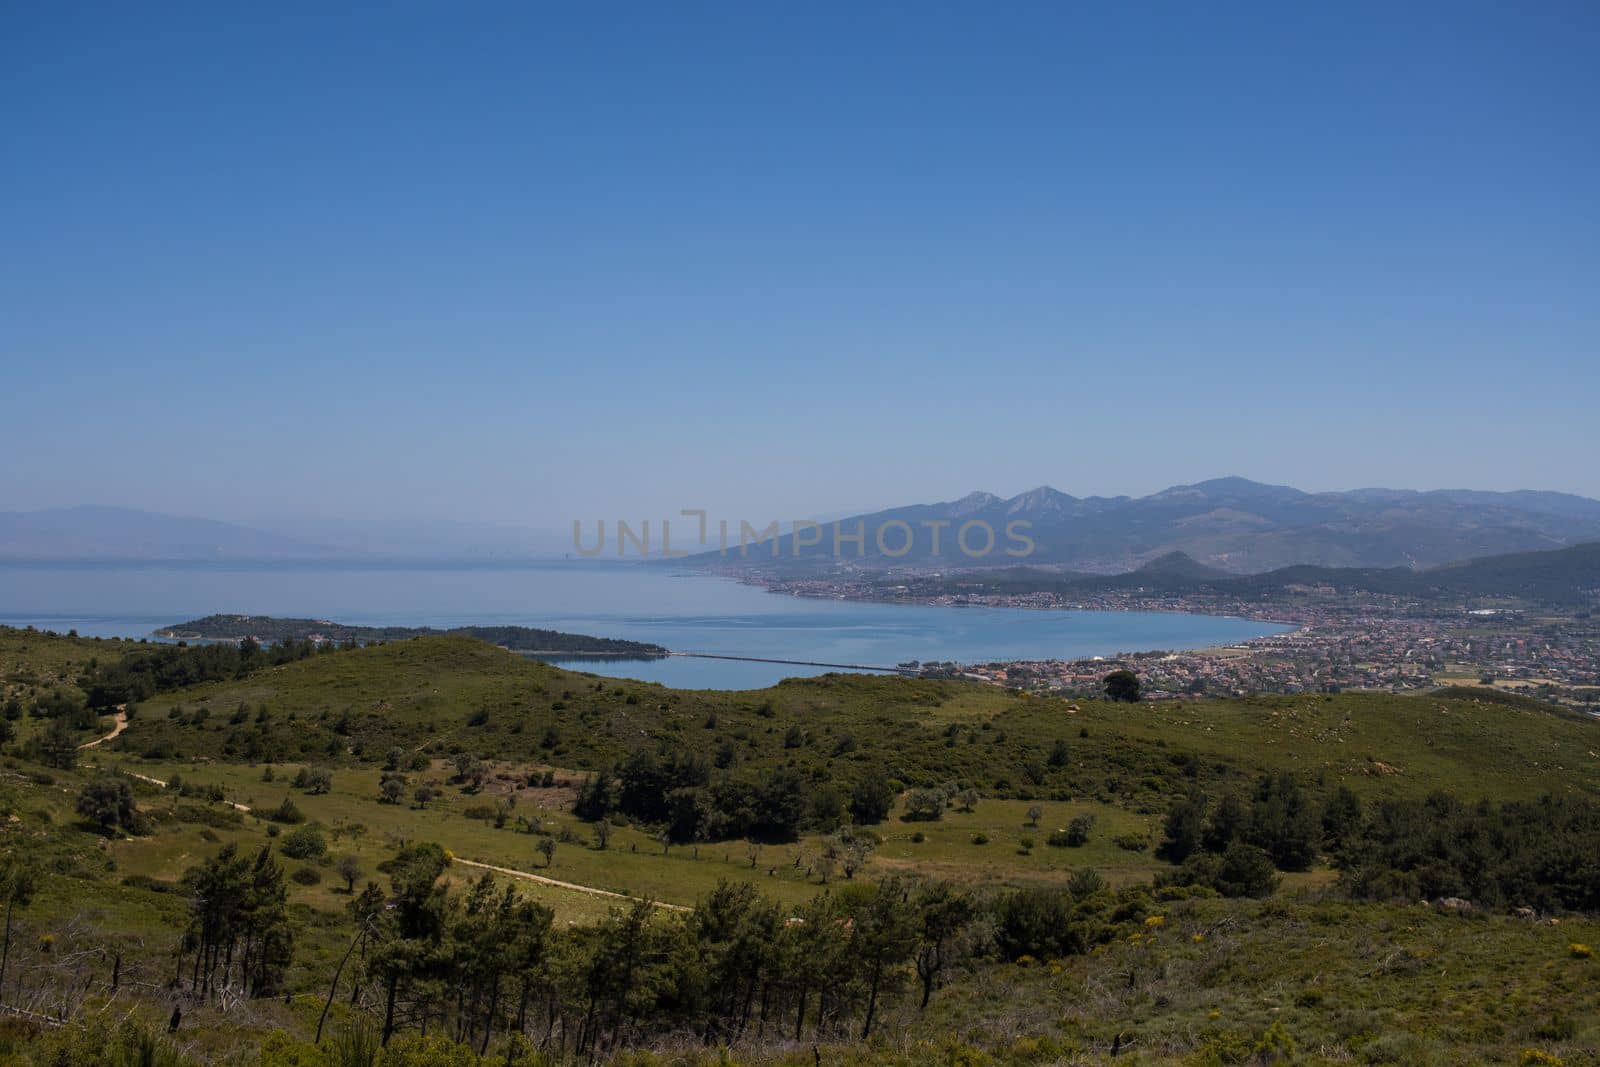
1185	827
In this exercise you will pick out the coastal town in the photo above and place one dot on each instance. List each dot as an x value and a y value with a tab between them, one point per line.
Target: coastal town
1340	641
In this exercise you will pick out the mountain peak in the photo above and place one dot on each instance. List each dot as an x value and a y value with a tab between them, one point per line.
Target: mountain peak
1233	485
977	500
1042	499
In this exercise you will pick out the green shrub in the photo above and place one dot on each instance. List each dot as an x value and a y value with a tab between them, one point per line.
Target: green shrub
304	843
1038	923
219	818
153	885
287	812
431	1051
1276	1044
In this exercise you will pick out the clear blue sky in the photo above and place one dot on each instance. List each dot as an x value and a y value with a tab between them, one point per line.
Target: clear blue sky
536	261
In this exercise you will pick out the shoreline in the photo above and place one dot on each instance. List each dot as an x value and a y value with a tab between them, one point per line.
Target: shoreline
958	638
1292	626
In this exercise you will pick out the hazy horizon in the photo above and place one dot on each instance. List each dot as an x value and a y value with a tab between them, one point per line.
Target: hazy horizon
561	525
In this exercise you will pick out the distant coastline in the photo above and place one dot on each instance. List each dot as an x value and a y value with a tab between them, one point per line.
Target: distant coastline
524	640
1273	617
632	605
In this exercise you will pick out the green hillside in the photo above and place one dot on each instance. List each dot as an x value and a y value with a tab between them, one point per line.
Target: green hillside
446	695
1564	576
644	859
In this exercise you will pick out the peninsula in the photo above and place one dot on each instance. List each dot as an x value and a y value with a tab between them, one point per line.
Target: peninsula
524	639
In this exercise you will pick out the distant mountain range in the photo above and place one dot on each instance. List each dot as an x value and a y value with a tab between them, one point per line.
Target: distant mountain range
1232	525
113	534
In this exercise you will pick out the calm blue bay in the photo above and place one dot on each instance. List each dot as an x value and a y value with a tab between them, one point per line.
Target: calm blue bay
681	612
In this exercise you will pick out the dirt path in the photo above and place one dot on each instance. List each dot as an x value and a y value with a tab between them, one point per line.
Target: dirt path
163	785
510	872
557	883
121	725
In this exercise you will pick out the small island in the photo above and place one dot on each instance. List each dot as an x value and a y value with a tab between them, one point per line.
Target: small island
523	639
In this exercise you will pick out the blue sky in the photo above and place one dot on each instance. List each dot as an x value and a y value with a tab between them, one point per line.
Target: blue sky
530	262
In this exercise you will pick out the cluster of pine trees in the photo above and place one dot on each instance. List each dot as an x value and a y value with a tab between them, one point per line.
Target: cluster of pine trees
142	674
679	791
1237	845
1543	854
693	799
68	716
486	963
239	939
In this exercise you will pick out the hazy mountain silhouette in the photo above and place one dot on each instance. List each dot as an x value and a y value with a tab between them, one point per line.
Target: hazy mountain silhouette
1228	524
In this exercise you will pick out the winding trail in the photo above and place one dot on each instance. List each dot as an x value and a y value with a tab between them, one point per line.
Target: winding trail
559	884
509	872
120	725
163	785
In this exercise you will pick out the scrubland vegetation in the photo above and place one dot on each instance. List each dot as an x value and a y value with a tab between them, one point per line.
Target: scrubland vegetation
433	851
